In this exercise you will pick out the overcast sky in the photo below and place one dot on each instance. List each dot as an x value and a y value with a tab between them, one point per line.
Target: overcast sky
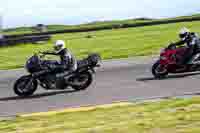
31	12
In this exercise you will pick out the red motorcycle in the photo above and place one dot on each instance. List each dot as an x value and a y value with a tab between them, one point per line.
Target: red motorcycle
167	63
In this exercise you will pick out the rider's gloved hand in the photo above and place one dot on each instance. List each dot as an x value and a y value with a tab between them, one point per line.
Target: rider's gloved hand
43	52
171	45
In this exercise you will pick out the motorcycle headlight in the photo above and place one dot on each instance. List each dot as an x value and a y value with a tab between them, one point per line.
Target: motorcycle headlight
26	65
163	58
162	50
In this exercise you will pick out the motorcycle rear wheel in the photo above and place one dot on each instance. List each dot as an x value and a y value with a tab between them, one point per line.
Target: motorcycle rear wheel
21	84
86	76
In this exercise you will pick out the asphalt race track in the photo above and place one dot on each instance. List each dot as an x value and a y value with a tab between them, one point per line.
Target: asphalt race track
116	80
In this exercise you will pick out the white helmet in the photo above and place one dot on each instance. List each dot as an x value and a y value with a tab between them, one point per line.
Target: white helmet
59	45
184	33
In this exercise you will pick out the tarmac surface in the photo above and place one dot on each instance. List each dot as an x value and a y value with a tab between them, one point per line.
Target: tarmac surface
116	80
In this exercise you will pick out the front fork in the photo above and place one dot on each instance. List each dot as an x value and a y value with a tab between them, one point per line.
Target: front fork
29	82
163	64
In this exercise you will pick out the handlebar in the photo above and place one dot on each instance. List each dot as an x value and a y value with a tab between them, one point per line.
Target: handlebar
171	46
41	54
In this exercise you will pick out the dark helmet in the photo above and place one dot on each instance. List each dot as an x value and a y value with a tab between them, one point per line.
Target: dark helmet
184	32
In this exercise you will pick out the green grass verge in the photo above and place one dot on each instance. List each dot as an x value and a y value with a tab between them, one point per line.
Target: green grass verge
121	43
167	116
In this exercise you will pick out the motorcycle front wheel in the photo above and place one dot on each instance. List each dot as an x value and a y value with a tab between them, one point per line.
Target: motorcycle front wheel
25	86
158	71
85	79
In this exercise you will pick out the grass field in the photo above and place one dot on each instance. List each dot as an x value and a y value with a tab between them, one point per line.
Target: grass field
167	116
120	43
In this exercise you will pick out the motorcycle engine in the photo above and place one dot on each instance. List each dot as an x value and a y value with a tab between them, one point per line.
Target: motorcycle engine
52	82
48	82
60	83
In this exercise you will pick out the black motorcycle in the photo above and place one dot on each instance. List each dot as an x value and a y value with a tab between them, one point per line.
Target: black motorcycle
41	73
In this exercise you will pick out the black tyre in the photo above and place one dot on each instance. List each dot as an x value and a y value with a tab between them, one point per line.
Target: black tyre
158	71
86	78
25	86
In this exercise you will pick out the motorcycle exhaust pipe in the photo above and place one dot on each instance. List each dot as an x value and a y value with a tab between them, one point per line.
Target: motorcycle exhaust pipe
73	84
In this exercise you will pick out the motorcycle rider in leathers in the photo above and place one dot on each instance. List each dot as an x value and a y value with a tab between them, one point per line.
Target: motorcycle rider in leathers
192	42
67	60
